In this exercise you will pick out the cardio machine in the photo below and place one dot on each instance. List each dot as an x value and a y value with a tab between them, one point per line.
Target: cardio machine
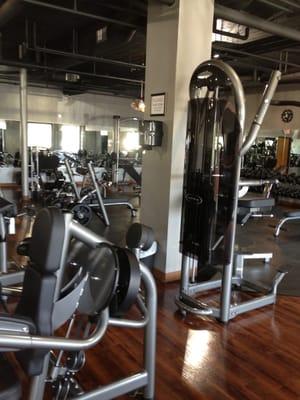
98	283
214	148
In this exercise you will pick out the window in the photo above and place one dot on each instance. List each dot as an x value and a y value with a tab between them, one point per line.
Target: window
70	138
39	135
131	141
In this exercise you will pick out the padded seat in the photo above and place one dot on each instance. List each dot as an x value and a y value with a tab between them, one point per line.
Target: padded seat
7	208
257	202
116	200
292	214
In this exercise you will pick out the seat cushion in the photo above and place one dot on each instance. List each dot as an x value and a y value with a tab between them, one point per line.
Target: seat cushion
256	202
294	214
47	239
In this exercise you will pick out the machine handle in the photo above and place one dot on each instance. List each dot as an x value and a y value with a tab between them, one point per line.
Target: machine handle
262	110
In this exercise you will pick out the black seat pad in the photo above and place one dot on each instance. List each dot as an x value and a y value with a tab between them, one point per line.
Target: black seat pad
293	214
116	200
256	202
7	208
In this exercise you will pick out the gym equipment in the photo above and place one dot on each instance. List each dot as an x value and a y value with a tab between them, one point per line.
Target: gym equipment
288	216
256	206
92	200
56	292
214	150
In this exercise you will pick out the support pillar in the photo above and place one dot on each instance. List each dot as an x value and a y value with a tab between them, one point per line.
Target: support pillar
116	148
178	40
23	133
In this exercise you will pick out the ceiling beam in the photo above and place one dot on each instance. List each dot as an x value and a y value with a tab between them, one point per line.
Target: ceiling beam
80	13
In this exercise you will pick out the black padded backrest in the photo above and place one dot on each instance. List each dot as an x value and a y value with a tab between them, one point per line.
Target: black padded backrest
47	239
39	284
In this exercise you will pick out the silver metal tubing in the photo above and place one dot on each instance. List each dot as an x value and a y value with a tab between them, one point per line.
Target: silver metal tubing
253	21
37	385
237	86
257	182
98	193
262	110
71	178
283	221
127	323
85	235
185	274
3	245
150	330
116	389
52	342
116	147
23	132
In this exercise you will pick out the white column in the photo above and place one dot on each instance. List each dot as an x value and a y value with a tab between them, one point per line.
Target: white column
178	40
23	132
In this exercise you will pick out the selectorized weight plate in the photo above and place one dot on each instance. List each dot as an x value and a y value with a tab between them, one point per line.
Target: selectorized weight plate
103	266
82	213
129	280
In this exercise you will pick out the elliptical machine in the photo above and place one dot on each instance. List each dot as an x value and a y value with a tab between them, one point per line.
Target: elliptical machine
214	149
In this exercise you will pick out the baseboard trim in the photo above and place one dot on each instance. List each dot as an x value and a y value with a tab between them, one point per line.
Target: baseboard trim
166	277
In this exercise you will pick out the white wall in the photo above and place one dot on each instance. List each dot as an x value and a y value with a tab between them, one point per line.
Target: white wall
273	122
44	105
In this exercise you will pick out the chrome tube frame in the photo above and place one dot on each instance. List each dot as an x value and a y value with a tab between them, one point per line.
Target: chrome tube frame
98	193
71	178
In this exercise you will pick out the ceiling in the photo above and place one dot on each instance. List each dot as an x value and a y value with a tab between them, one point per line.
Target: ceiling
100	45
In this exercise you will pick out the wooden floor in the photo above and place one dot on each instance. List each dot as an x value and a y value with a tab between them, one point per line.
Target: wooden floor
256	356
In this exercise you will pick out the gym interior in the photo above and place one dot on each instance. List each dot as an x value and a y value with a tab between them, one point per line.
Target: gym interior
149	199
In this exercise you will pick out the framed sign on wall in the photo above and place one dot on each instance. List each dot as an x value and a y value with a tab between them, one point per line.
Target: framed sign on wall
157	106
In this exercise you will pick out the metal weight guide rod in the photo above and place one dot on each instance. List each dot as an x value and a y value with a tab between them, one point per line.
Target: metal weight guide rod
231	274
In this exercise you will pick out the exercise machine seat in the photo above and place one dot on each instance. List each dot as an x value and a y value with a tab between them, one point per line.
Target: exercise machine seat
7	208
292	214
115	200
39	284
256	202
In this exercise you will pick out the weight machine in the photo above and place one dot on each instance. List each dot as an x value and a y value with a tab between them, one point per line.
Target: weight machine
93	199
61	285
214	149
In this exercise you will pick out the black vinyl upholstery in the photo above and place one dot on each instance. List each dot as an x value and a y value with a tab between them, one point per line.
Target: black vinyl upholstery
37	298
7	208
292	214
256	202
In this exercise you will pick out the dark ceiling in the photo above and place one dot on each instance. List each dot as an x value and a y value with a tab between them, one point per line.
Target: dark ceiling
100	45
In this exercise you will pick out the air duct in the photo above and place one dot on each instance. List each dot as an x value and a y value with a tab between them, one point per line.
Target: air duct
243	18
